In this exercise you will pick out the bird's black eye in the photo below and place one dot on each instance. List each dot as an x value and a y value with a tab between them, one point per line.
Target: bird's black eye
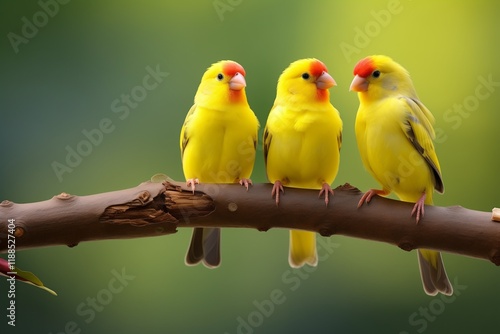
305	76
376	73
220	76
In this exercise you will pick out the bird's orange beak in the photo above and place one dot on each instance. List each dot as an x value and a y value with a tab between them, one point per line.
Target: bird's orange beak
237	82
325	81
359	84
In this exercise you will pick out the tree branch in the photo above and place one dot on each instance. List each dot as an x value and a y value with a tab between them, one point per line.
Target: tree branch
154	209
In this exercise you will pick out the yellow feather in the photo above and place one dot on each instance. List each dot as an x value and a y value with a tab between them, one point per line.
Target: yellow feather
218	138
218	143
392	159
394	134
302	141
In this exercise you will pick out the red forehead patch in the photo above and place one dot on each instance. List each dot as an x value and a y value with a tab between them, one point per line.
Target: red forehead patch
317	67
364	67
231	67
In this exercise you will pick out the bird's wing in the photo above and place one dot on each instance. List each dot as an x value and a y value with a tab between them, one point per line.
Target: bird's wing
267	142
419	131
184	131
268	136
339	139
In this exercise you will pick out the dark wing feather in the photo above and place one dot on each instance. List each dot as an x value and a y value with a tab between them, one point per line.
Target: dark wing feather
184	131
419	131
267	143
339	140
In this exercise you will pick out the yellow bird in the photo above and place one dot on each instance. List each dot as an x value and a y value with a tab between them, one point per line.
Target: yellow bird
302	142
218	143
394	134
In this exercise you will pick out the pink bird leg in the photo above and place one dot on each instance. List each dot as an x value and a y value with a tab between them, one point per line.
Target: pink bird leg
367	196
419	208
325	189
245	182
192	183
277	187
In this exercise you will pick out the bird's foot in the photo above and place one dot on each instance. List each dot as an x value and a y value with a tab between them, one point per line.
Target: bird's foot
245	182
192	183
277	187
326	189
367	196
419	208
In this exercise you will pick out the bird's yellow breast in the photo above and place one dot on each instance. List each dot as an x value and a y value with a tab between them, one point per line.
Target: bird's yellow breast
221	145
388	154
304	149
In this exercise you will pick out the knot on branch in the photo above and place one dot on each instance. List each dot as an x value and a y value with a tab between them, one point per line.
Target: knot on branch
64	196
348	187
406	246
495	257
6	203
326	232
18	232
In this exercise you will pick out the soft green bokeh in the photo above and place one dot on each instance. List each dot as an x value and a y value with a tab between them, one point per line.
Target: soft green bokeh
66	78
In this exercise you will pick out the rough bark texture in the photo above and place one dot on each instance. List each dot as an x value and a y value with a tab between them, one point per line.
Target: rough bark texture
154	209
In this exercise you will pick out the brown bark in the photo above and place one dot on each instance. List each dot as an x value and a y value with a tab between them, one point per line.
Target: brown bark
154	209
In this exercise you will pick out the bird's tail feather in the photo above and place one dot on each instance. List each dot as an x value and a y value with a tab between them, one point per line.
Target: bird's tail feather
204	246
302	249
433	273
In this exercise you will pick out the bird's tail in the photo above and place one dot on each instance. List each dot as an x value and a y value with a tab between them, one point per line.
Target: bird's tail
302	249
204	246
432	271
434	278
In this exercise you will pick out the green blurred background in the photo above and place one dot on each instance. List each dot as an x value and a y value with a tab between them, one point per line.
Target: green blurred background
65	79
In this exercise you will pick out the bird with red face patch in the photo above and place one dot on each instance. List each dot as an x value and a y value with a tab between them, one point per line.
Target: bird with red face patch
394	134
218	143
302	142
